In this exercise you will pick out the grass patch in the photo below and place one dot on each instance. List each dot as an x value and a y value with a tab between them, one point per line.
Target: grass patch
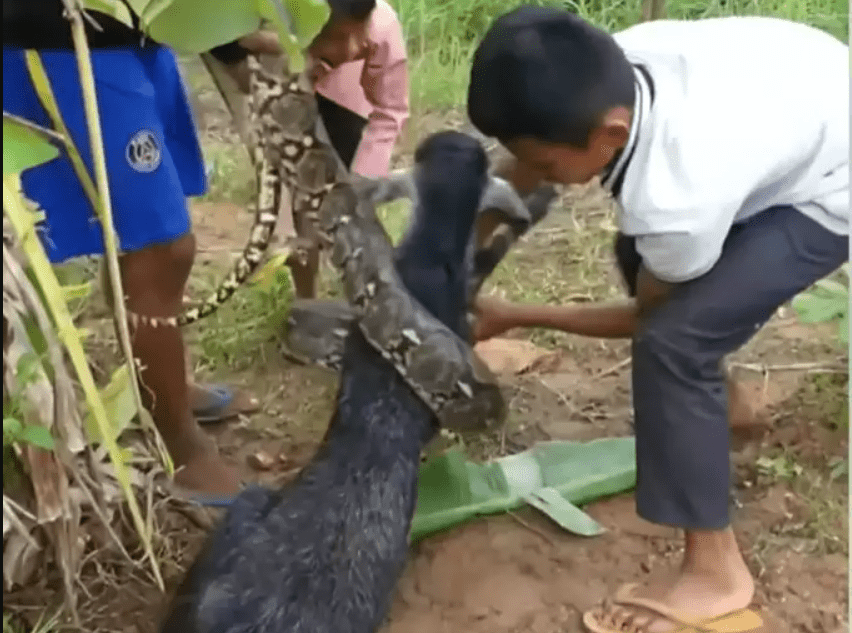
820	517
237	335
442	34
828	395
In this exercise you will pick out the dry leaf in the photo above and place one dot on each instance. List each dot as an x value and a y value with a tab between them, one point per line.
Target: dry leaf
21	559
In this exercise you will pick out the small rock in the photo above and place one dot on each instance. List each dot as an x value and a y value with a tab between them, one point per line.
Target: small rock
260	460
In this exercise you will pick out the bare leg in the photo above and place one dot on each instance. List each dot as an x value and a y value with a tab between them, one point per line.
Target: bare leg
305	276
154	280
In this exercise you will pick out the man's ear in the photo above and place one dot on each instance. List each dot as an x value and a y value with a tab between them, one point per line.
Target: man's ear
613	132
616	126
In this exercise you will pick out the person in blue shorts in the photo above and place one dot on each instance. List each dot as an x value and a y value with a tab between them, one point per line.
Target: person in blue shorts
725	143
154	163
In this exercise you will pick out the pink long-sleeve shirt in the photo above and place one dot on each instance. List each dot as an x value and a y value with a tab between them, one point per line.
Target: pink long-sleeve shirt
374	86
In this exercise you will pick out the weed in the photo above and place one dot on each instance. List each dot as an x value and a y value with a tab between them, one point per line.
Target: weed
442	34
15	430
230	175
781	467
237	334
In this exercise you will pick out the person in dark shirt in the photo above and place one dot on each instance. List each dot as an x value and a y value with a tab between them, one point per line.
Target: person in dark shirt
154	163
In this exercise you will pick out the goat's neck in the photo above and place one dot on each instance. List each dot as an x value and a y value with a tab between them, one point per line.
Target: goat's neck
376	410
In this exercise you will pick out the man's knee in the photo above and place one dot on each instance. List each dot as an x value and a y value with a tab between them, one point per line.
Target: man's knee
158	272
670	339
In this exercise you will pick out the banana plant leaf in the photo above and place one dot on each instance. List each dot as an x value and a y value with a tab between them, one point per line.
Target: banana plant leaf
24	147
196	26
554	477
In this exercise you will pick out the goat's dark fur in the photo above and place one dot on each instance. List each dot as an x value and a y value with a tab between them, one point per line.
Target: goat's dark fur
323	554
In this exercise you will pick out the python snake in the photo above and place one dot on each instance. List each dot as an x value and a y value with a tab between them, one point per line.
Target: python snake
292	153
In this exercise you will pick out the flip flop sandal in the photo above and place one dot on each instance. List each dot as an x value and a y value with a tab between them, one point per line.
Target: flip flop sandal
206	499
226	404
600	619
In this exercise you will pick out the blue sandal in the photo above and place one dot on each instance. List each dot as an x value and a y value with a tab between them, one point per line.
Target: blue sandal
206	499
225	403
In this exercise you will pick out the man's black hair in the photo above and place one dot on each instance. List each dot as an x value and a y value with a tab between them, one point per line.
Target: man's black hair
358	10
546	74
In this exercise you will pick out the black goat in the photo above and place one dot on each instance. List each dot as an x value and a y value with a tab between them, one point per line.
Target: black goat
323	554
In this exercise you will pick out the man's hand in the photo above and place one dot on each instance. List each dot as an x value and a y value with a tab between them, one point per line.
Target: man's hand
492	318
261	42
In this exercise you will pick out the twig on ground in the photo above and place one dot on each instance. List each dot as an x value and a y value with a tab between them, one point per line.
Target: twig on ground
614	369
532	528
811	367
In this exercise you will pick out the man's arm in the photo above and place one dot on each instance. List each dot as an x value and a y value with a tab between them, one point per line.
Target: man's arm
617	319
385	83
233	54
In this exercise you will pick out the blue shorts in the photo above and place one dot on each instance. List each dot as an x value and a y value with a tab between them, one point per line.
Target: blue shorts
153	156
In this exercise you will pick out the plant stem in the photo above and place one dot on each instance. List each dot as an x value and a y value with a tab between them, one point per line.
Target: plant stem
87	83
41	83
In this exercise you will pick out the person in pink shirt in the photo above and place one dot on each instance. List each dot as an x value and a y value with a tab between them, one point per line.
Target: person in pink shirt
360	73
361	78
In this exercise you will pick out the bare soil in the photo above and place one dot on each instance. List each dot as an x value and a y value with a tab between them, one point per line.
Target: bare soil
520	572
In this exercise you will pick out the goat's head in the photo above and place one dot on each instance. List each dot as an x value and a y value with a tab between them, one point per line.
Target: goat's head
434	257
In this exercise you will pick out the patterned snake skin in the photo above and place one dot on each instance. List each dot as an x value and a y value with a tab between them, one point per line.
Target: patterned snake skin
291	153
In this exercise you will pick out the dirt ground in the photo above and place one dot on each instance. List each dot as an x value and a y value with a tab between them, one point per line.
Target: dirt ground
519	572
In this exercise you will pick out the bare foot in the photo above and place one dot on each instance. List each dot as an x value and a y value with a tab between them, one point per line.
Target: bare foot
208	474
708	586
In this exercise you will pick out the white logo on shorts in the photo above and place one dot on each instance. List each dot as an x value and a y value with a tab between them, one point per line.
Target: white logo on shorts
143	152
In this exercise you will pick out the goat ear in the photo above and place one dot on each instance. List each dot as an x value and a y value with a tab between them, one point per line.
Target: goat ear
398	184
500	196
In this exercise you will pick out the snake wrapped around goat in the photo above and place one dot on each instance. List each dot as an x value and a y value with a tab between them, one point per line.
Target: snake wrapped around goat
292	154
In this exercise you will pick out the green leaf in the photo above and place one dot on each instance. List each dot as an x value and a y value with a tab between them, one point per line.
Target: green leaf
196	26
27	369
24	148
568	516
113	8
11	429
843	328
77	291
453	490
120	406
297	24
833	288
839	467
816	307
267	275
37	435
395	217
